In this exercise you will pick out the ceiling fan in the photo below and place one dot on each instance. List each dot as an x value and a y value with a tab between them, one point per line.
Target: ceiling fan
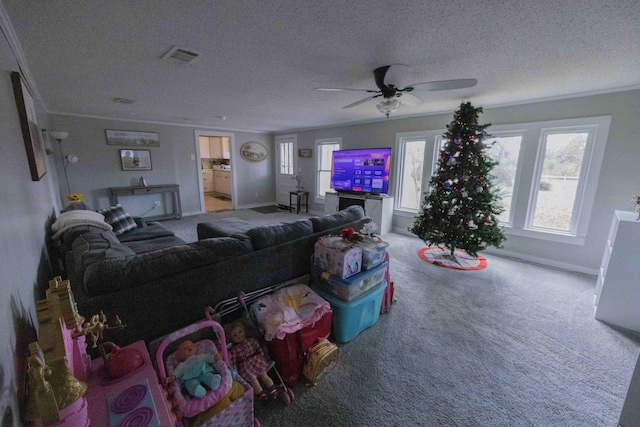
394	92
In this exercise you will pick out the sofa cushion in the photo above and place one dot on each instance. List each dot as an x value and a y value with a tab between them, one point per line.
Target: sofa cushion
152	230
149	245
114	274
91	247
326	222
118	218
223	227
274	234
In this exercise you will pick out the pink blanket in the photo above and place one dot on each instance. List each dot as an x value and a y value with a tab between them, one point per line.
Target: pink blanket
289	310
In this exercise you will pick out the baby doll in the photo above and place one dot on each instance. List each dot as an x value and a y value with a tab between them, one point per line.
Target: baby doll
194	370
252	365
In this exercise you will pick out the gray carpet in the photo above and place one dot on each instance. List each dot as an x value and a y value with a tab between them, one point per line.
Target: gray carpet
515	344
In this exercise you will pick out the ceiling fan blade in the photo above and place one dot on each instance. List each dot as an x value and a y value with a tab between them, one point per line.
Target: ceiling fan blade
362	101
396	75
445	84
410	99
341	89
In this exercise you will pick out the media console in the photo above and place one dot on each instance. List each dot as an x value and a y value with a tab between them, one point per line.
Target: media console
377	206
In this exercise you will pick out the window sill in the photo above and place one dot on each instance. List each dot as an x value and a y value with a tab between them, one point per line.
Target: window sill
546	235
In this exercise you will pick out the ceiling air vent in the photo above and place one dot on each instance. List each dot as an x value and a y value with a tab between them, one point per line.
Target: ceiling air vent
181	56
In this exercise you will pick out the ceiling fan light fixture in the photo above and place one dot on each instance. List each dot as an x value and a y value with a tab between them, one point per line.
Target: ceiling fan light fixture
388	106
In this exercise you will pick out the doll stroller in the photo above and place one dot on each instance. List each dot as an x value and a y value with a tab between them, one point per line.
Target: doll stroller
236	308
231	404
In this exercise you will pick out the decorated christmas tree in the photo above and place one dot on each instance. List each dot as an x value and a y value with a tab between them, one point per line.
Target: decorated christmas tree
460	210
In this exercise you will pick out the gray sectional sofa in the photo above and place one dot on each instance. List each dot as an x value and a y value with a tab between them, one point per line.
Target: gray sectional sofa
157	283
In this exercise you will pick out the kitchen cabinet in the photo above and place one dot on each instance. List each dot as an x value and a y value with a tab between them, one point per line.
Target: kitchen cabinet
617	297
205	149
222	181
219	147
208	181
214	147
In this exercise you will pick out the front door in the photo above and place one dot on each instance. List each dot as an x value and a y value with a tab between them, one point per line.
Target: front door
286	168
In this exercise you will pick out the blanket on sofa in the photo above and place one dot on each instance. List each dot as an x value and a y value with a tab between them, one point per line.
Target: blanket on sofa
70	219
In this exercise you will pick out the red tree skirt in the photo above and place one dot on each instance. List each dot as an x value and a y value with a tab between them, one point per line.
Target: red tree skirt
460	260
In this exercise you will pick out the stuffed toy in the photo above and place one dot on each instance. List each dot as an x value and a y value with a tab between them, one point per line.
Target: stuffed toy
194	370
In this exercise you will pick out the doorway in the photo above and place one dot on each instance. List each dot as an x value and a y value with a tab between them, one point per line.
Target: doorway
215	170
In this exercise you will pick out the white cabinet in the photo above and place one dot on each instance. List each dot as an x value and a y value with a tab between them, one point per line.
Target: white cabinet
617	296
378	207
330	203
222	181
205	150
219	147
207	181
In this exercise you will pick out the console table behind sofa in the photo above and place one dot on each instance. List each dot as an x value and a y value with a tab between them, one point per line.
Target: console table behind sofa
174	189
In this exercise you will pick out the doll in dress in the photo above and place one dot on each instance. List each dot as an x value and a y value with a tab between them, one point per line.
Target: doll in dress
246	354
194	370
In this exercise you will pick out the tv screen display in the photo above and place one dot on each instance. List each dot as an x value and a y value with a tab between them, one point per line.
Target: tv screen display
362	170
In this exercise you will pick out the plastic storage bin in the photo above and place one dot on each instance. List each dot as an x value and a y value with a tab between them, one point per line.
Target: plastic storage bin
351	318
372	254
350	288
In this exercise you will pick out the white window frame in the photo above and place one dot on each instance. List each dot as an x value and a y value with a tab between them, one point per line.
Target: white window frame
318	143
430	138
578	225
528	173
495	134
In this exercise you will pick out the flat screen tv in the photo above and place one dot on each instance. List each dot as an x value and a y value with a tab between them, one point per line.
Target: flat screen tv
361	171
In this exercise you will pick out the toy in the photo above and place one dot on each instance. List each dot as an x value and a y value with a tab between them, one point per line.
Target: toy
195	370
246	354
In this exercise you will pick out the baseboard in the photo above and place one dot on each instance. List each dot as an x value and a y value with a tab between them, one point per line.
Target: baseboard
523	257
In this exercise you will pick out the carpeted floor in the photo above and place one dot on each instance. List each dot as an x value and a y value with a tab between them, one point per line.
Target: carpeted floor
515	344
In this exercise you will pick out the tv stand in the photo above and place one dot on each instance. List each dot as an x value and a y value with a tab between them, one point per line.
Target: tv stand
376	206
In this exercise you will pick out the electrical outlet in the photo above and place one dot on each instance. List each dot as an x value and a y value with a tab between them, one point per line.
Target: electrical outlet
256	194
156	204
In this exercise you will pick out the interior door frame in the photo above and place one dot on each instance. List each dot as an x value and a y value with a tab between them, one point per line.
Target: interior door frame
232	160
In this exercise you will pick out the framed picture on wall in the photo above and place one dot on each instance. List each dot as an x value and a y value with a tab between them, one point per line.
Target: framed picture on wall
135	160
305	152
126	137
29	125
253	151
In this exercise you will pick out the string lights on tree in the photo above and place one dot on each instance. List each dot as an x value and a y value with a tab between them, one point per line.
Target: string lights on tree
460	210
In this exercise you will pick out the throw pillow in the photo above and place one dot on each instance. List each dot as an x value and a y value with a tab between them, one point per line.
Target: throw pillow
118	218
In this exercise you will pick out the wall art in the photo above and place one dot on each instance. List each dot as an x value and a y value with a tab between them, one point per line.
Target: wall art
253	151
135	160
29	125
125	137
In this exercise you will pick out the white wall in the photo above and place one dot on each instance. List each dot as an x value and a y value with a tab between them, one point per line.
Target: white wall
173	162
26	208
619	176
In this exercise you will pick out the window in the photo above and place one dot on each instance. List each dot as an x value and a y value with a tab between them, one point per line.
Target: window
506	151
555	192
286	157
324	151
547	174
411	171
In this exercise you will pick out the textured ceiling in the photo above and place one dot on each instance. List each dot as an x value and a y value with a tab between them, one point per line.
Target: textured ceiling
261	60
